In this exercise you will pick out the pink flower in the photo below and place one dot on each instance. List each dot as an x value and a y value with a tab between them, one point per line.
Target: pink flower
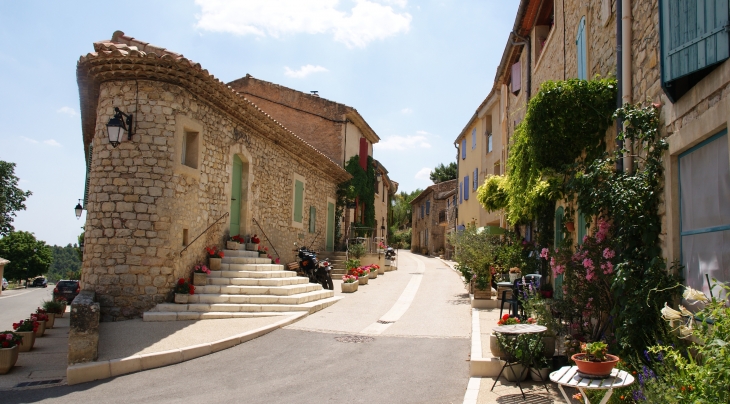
276	260
544	253
588	263
608	253
607	268
590	275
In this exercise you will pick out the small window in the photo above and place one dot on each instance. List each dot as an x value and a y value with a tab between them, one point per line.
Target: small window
474	138
516	82
489	143
190	150
463	149
428	207
466	188
312	219
476	179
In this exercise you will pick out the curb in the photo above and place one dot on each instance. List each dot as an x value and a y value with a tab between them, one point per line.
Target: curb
90	371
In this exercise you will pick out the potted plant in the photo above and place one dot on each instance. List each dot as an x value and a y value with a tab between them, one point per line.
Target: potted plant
515	349
514	274
263	251
541	369
200	275
373	271
351	264
594	359
41	320
50	317
357	250
234	243
215	257
57	307
349	283
482	288
546	290
9	348
183	289
26	329
362	275
494	341
253	245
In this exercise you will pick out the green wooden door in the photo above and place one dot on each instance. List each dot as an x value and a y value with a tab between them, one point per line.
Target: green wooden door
330	242
236	196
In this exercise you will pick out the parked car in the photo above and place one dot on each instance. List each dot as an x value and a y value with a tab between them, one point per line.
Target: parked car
40	283
5	283
66	289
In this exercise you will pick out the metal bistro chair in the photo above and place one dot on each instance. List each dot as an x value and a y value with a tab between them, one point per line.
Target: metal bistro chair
514	301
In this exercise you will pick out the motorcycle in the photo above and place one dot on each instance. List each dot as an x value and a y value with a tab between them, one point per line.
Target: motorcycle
390	253
317	271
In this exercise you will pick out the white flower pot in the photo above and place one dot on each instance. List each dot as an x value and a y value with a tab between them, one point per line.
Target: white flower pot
349	287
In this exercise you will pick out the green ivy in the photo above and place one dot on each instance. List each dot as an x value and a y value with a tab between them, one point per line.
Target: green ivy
361	186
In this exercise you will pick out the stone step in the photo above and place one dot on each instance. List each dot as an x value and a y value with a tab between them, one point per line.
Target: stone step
188	315
236	289
251	267
244	260
299	298
240	253
251	274
244	281
308	301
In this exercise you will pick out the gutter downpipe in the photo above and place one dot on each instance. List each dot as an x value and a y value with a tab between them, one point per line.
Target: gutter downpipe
456	206
619	78
626	87
528	82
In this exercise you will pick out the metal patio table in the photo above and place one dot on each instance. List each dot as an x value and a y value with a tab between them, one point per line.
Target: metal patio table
517	330
569	376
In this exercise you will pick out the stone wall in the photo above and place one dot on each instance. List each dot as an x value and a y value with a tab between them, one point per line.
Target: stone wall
141	201
430	222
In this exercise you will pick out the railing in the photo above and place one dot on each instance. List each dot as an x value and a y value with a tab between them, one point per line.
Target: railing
266	237
204	231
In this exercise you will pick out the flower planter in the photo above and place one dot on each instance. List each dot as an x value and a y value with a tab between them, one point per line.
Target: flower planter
497	352
514	276
214	263
373	274
232	245
181	298
8	357
41	329
349	287
363	280
381	270
200	279
483	293
63	311
51	320
595	368
539	375
28	340
519	372
252	246
570	226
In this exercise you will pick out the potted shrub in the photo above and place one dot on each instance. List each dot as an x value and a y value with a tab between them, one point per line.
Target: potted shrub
482	286
514	274
54	308
234	243
41	320
183	289
50	317
351	264
9	348
253	244
594	359
541	369
215	257
200	275
349	283
26	329
357	250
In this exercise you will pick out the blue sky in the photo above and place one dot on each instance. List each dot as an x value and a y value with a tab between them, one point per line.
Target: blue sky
415	70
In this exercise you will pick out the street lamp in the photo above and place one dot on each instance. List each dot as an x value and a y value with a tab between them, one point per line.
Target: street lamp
117	125
79	209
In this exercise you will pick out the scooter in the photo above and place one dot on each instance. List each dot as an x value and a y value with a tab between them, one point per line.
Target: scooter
389	253
317	271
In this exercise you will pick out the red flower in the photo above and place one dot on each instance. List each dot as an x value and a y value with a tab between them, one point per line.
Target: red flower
192	289
181	281
6	344
505	317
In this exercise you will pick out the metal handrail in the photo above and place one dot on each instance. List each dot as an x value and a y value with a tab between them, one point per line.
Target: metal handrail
266	237
204	231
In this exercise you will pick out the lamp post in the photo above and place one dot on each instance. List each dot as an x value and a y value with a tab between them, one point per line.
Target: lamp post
79	210
117	125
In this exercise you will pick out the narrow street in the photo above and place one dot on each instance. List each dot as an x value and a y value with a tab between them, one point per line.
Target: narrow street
18	304
403	338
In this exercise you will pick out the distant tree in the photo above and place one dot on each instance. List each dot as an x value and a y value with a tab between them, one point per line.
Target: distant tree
401	204
66	263
12	198
28	257
444	173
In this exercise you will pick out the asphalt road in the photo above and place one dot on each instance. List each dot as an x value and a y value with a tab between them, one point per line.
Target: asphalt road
17	304
419	357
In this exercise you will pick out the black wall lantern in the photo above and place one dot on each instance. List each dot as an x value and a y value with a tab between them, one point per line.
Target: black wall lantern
79	209
117	125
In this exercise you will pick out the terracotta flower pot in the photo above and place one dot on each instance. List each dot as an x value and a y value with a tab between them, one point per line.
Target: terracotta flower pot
28	340
181	298
200	279
41	329
595	368
570	226
214	263
363	280
349	287
8	358
51	320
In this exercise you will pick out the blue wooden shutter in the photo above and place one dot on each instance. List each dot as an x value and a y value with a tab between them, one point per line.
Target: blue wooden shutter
463	149
693	35
428	207
476	178
580	43
461	192
466	188
474	138
298	200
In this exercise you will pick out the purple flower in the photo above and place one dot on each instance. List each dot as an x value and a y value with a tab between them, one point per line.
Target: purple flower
639	396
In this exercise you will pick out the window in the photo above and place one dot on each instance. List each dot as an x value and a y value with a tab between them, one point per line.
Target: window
428	207
190	150
474	138
489	142
463	149
692	39
476	179
298	186
516	78
466	188
312	219
580	44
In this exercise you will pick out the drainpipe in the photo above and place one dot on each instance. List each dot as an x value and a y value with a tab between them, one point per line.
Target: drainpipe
456	205
619	77
626	85
528	46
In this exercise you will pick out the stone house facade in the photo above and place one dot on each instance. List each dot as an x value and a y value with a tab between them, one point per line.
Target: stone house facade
430	218
204	161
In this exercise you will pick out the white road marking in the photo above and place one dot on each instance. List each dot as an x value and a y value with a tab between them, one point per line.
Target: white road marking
21	294
401	305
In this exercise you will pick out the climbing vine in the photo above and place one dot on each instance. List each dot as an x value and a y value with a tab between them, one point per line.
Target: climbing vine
362	187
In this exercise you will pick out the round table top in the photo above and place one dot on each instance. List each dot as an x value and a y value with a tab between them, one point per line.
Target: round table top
569	376
504	283
520	329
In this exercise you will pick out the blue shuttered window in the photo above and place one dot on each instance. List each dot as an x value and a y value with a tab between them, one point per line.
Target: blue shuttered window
474	138
461	193
428	207
466	188
476	179
463	149
580	44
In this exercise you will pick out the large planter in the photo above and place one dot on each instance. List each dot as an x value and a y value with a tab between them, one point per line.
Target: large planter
232	245
8	357
483	294
599	369
200	279
381	270
28	340
363	280
252	246
519	372
51	320
63	311
497	352
373	273
549	344
214	263
41	329
539	375
181	298
349	287
513	277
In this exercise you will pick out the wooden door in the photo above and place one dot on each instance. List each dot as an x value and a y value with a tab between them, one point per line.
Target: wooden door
235	228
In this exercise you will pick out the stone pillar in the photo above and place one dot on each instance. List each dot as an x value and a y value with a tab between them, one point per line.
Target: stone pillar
83	338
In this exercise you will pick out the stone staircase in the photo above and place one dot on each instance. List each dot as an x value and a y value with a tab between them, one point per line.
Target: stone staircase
247	286
337	259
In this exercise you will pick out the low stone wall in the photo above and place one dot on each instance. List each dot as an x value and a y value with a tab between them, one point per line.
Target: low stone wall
83	338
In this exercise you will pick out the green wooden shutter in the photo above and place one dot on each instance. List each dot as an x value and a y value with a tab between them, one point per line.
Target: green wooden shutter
312	219
298	200
88	177
693	35
330	246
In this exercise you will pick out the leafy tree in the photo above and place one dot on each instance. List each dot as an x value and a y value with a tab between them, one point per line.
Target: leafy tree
66	263
444	173
28	257
11	197
401	206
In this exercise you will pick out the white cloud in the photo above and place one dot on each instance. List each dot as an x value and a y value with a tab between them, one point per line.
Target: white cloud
402	143
52	142
303	71
365	22
29	140
399	3
422	132
67	110
406	111
423	174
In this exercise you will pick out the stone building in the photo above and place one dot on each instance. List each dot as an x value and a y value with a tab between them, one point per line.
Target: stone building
336	129
430	218
204	163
